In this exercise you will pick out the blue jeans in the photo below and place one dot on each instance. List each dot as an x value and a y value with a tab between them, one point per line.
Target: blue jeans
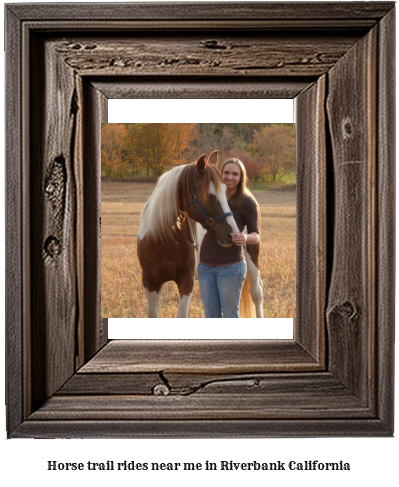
221	289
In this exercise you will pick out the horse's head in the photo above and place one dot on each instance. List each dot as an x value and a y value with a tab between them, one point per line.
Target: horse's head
203	194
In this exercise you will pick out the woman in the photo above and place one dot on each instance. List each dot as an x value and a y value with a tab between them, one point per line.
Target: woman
222	270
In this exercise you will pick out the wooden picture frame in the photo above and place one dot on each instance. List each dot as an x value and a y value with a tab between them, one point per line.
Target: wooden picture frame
335	378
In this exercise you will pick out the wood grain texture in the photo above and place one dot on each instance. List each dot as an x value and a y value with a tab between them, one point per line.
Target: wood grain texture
217	55
278	11
112	384
53	246
95	112
184	384
189	428
203	407
385	225
351	307
269	396
200	356
311	219
174	87
14	212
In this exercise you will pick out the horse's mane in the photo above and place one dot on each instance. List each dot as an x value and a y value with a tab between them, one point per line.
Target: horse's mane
161	211
171	197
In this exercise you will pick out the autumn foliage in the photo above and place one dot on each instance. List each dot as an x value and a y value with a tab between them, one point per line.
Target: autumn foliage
142	152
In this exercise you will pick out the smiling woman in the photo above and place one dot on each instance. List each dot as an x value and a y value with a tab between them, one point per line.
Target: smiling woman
223	272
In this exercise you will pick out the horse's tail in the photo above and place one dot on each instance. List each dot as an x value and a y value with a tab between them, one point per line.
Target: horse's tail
247	307
198	236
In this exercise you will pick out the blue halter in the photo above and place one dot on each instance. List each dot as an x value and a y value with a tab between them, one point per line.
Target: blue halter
209	221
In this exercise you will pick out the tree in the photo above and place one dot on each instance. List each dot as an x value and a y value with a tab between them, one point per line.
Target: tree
149	149
158	146
225	137
181	135
113	149
275	149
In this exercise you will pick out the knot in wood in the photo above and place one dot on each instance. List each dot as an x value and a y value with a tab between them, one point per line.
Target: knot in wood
50	189
347	128
90	47
349	310
213	44
161	390
52	247
346	310
54	188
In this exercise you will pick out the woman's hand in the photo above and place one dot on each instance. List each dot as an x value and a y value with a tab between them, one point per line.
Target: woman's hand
240	238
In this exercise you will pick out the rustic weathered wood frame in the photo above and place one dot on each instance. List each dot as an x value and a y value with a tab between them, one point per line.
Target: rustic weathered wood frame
64	379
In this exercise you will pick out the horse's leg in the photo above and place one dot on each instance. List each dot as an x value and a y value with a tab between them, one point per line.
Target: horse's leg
185	283
184	305
153	301
256	286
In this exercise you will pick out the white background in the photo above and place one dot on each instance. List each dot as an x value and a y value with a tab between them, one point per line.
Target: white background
373	460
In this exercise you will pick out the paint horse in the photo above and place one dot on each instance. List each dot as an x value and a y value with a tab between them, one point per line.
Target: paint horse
167	234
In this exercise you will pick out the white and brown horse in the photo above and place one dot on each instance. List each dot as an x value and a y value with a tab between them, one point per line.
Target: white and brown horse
167	233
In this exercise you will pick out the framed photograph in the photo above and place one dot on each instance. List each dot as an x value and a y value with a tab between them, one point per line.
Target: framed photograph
140	160
65	378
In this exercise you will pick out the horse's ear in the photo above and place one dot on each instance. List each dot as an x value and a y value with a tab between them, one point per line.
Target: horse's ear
201	163
214	157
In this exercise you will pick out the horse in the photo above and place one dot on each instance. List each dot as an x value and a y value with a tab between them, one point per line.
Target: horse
185	199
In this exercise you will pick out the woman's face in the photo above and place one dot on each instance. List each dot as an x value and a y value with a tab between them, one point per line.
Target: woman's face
231	176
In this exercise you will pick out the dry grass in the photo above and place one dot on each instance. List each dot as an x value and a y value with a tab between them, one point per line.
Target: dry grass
122	295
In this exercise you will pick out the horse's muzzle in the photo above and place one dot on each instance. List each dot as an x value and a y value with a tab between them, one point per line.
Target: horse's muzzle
228	241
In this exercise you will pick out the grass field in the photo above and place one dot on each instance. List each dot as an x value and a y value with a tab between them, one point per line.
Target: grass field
122	295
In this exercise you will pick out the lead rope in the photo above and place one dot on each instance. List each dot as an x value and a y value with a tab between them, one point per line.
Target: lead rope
193	232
